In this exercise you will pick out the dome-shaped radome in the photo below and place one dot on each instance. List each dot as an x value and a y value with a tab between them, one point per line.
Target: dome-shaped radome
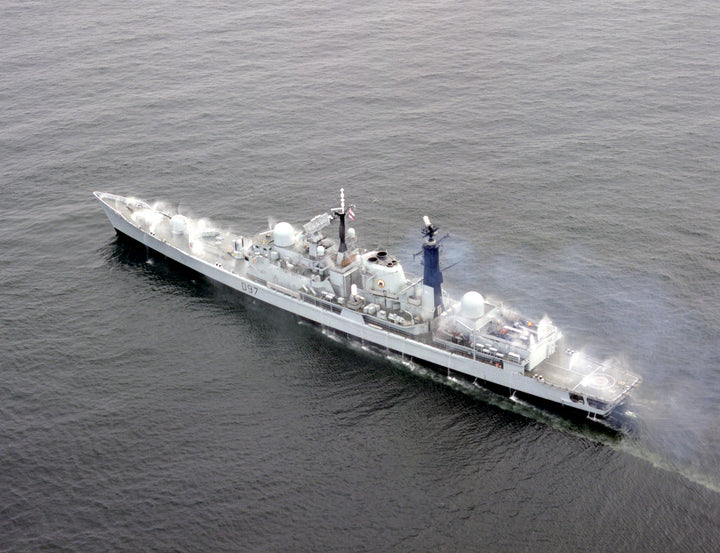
472	305
284	235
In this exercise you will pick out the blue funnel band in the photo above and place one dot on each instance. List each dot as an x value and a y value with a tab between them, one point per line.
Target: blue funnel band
432	275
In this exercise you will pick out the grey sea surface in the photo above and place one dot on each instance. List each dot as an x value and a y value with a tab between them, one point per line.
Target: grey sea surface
569	148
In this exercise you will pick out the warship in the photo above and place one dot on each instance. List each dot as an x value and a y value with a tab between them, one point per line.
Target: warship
365	294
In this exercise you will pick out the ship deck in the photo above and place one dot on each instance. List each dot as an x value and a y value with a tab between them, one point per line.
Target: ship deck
202	243
584	376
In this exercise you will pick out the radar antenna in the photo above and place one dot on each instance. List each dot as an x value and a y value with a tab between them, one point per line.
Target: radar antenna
429	229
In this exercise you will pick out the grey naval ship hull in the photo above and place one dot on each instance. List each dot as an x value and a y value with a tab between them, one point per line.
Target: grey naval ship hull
592	388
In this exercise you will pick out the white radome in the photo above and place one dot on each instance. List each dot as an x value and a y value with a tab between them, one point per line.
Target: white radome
472	305
284	235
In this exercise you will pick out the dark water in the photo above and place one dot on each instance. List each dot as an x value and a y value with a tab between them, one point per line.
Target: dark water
571	149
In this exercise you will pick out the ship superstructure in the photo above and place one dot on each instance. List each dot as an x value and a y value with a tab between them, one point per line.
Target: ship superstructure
367	295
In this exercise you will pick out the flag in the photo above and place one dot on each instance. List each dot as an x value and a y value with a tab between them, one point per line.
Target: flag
351	214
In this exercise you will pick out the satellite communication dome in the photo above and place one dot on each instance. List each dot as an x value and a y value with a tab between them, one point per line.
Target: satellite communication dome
472	305
284	235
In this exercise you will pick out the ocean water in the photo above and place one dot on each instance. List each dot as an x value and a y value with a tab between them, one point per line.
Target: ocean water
570	149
